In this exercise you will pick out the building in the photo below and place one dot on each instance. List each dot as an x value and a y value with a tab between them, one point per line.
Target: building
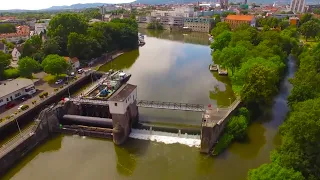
22	33
236	20
298	6
3	47
177	12
74	62
15	55
11	90
199	24
294	21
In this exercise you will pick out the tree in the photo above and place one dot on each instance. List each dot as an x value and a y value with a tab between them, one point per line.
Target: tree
82	46
237	126
7	28
232	56
55	64
51	46
4	62
221	41
27	66
305	18
61	25
310	29
274	171
32	46
260	85
220	28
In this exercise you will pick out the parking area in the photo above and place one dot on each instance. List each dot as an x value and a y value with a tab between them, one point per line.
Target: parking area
14	107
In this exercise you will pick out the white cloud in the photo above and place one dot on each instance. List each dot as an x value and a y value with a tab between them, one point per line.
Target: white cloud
39	4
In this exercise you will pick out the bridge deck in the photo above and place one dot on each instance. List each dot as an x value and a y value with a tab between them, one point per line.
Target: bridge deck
171	106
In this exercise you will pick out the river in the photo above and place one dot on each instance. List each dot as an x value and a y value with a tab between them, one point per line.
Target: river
170	67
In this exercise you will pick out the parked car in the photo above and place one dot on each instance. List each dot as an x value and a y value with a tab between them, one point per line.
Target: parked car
72	74
19	108
80	71
59	81
25	97
10	105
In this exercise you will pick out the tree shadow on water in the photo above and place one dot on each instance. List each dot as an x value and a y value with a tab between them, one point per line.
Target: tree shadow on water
128	154
250	148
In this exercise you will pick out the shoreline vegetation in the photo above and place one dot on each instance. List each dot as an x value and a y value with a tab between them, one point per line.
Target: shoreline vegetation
298	156
155	25
256	62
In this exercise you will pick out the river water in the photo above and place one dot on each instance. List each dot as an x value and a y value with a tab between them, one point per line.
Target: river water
171	67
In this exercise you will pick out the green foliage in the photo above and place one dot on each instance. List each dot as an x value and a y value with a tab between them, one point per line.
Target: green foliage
55	65
7	28
224	141
32	46
4	62
237	126
11	73
221	41
62	25
27	66
220	28
92	13
310	29
305	18
155	25
24	107
260	85
51	46
274	171
269	21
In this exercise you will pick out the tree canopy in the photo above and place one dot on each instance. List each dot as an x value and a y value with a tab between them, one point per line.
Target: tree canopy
55	64
27	66
4	62
7	28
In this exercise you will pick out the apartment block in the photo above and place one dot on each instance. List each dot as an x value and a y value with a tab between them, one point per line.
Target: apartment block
199	24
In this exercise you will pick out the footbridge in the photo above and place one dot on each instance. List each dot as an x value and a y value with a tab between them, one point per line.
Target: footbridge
171	106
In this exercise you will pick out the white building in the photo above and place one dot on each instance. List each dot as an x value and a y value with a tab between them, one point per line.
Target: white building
298	6
119	102
178	12
15	55
74	62
11	90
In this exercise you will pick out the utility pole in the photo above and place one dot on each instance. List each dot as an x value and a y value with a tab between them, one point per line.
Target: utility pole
18	127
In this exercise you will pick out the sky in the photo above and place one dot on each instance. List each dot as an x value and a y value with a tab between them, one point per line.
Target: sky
42	4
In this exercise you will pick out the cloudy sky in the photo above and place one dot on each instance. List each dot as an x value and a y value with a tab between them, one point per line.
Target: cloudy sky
41	4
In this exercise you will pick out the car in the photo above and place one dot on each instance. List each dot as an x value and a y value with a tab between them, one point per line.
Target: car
10	105
80	71
59	81
72	74
19	108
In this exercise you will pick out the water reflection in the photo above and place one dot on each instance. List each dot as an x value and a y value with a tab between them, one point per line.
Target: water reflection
187	37
124	61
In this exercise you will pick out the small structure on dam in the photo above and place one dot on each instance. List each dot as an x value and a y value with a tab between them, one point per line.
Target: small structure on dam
106	110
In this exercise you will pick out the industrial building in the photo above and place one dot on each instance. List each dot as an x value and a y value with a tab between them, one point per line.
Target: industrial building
199	24
11	90
236	20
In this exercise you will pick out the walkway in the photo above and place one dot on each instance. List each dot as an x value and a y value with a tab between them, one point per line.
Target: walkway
171	106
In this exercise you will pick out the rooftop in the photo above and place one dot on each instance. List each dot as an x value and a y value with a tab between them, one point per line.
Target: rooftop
123	92
240	17
8	87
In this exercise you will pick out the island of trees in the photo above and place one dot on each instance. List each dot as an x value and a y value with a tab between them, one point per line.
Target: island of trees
155	25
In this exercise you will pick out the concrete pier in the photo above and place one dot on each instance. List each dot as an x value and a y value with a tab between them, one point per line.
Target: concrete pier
213	123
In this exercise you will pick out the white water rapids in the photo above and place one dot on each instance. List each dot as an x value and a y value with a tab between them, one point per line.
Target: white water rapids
165	137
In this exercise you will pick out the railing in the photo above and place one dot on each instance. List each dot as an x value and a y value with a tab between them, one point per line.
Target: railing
171	106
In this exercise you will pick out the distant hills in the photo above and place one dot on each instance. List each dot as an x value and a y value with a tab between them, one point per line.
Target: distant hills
74	6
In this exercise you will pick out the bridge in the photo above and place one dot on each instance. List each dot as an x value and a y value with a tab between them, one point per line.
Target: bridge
171	106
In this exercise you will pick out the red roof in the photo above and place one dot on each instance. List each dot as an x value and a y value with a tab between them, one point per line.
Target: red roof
240	17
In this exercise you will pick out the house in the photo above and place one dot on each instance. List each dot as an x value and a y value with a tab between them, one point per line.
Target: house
15	55
294	21
3	47
11	90
236	20
22	33
74	62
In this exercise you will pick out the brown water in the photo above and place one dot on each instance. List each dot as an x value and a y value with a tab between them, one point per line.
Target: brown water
170	67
